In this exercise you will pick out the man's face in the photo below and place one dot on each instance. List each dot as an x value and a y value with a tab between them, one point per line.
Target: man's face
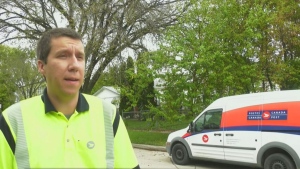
64	71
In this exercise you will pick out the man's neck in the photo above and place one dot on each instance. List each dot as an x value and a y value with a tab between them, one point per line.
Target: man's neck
66	105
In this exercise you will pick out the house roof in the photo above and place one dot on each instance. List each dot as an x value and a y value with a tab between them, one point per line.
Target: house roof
110	88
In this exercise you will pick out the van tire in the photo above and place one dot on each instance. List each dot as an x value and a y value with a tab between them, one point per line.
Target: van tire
180	155
278	161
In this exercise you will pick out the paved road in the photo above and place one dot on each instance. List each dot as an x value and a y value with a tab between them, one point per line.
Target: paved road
160	159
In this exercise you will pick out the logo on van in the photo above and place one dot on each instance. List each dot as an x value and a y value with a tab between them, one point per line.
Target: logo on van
205	138
267	115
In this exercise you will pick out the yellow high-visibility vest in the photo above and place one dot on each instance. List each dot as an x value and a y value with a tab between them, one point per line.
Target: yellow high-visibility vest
34	135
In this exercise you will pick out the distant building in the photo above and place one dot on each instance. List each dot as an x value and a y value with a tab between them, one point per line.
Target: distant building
109	94
159	84
112	94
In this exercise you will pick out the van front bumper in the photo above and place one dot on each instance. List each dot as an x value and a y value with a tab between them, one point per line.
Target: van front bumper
168	147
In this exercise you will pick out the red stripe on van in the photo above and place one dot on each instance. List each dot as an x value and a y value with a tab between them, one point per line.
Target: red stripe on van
238	117
186	135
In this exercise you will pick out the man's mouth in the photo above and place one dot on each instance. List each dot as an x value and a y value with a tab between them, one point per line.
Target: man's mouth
71	79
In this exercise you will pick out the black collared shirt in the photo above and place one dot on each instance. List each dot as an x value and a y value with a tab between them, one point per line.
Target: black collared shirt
82	104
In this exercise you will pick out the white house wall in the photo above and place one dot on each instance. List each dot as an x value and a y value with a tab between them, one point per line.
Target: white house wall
108	96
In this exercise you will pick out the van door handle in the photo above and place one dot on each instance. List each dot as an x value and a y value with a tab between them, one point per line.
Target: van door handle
229	134
217	134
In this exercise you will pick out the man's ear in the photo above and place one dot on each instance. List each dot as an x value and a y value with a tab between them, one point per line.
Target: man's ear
40	65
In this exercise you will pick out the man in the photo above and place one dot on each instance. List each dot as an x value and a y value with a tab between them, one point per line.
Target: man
63	128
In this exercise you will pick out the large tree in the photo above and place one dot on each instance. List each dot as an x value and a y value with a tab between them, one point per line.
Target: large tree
138	86
135	80
282	44
108	27
7	91
19	76
127	103
144	82
231	47
20	65
113	75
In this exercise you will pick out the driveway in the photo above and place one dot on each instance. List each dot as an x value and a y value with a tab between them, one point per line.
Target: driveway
160	159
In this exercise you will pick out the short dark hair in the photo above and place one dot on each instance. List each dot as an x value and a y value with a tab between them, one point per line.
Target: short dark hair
44	44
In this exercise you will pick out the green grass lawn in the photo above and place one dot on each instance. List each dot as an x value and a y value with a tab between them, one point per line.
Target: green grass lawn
157	125
149	138
152	133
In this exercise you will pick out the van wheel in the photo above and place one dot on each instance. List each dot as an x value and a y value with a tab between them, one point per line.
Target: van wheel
180	155
278	161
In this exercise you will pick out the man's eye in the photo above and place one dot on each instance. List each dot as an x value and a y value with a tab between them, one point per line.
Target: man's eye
79	57
62	56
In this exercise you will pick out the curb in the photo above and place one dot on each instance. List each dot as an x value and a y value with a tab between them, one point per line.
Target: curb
149	147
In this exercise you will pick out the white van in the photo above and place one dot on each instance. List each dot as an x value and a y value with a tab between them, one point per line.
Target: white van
260	129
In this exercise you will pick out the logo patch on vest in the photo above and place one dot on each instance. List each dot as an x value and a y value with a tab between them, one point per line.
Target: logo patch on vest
90	145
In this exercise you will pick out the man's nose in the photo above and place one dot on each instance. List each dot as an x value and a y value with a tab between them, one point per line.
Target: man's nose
73	63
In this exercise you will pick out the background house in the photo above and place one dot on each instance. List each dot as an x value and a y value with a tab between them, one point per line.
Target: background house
109	94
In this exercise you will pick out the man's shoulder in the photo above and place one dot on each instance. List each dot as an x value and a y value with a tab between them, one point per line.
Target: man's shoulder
91	98
32	99
16	105
97	99
96	102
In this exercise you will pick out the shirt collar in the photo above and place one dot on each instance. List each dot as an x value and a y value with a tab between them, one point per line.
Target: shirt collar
82	104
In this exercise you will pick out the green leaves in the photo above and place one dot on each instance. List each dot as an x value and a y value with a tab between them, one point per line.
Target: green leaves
222	48
19	75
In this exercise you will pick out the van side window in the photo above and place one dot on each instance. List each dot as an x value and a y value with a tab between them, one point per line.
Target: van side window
209	120
213	119
199	123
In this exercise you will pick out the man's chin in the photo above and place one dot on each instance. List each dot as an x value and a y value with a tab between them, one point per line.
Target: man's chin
71	92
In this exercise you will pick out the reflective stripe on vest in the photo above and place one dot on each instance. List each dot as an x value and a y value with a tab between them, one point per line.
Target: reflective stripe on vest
16	121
